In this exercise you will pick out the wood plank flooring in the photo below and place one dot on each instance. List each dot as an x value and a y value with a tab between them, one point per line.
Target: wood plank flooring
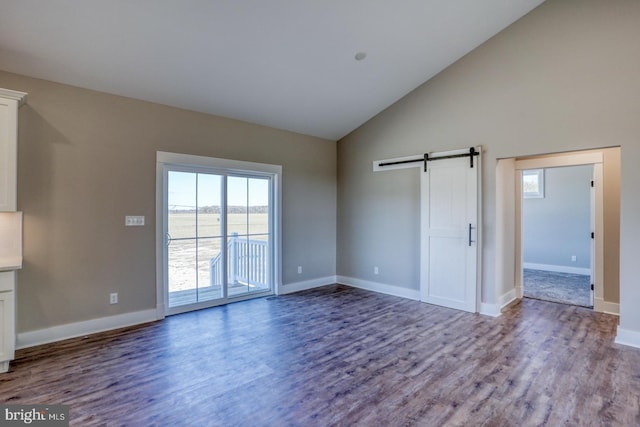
341	356
208	293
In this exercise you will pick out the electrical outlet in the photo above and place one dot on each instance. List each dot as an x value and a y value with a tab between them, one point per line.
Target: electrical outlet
574	258
375	270
299	269
113	298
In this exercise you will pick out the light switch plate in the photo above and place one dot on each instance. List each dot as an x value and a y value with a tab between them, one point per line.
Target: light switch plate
133	221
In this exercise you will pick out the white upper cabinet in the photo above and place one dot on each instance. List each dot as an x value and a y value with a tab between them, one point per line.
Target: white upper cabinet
10	101
11	223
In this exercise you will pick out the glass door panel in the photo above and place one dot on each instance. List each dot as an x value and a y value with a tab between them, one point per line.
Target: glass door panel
181	231
181	275
194	237
219	241
248	220
259	207
259	232
237	214
210	269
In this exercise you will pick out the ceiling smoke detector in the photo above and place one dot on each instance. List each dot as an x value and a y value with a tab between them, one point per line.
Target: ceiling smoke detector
360	56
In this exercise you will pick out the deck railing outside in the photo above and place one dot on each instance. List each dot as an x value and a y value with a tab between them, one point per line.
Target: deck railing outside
247	263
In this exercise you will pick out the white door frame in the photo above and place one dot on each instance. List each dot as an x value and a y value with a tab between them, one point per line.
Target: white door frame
242	167
594	158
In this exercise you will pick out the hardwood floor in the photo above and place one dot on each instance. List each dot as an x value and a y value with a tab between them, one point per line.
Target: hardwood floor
341	356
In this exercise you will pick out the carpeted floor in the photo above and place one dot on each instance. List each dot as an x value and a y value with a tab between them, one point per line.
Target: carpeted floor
565	288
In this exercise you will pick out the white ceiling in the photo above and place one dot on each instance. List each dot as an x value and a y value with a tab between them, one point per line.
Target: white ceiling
287	64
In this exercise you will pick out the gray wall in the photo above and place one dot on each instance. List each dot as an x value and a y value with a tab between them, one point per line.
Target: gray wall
559	225
87	159
563	78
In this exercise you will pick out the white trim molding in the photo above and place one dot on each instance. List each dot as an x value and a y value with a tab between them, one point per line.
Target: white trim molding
87	327
507	298
15	95
628	337
560	159
603	306
492	310
378	168
495	310
306	284
383	288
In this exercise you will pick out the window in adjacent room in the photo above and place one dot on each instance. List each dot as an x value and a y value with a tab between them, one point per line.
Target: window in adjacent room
533	183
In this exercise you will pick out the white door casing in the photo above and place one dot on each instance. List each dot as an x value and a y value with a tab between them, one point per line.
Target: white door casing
449	225
589	157
165	161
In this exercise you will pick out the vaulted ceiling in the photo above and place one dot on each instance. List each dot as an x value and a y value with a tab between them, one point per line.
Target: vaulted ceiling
288	64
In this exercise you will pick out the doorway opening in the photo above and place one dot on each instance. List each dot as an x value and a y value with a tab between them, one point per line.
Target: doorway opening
558	217
606	241
218	228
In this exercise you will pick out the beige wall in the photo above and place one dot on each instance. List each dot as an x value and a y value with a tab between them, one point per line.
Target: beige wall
563	78
87	159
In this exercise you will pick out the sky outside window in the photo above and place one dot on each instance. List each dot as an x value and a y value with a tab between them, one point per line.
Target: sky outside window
182	191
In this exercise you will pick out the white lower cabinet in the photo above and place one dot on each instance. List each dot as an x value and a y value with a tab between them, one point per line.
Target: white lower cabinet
7	319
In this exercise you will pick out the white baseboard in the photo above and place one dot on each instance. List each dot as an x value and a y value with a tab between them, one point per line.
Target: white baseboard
557	268
628	337
519	293
603	306
87	327
492	310
383	288
307	284
495	310
507	298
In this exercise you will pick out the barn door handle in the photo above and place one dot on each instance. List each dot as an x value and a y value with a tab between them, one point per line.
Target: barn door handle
470	241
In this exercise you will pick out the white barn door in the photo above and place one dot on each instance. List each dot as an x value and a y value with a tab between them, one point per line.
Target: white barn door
449	225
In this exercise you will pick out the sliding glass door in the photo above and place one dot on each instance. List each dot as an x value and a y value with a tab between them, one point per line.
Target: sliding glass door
248	239
219	236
